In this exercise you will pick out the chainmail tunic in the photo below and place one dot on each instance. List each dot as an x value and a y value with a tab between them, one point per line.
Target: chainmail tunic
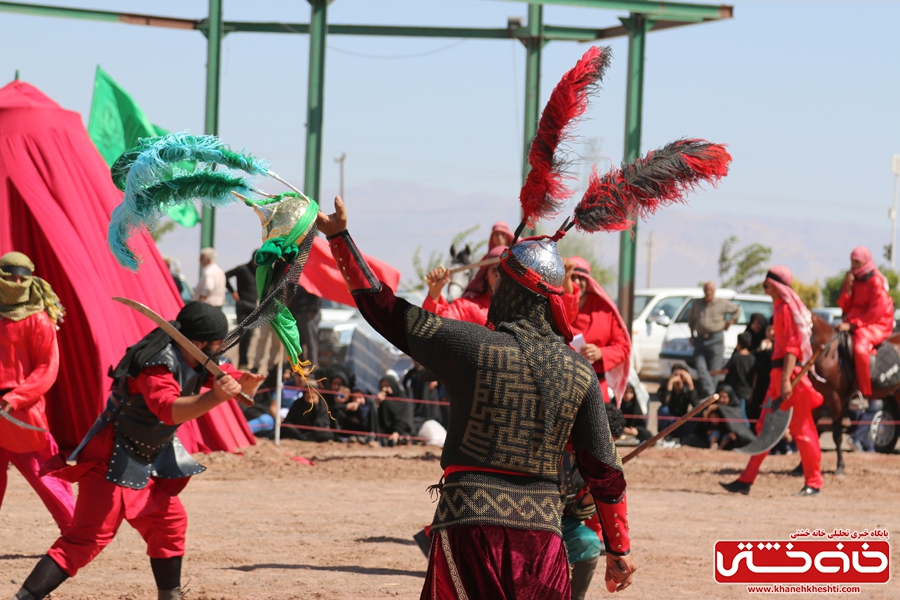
517	395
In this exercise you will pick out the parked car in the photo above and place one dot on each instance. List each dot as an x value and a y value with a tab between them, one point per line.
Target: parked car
833	315
345	337
677	347
336	331
653	311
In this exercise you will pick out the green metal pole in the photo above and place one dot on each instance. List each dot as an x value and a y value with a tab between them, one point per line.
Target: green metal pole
533	44
637	26
315	97
214	36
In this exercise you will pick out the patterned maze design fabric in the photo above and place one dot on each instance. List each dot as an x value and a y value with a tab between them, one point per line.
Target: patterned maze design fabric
478	498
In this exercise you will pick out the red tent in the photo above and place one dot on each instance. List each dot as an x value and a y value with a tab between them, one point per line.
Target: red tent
321	276
55	200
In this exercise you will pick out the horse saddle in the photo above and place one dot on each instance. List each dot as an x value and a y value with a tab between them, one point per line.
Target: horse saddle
884	367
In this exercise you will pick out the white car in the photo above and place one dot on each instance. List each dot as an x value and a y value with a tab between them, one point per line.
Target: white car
653	310
677	348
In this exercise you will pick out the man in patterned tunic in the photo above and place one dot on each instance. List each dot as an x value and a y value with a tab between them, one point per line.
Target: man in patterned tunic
518	394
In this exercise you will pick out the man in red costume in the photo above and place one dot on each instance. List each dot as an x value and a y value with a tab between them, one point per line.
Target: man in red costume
868	313
518	394
131	465
473	305
593	314
793	325
29	362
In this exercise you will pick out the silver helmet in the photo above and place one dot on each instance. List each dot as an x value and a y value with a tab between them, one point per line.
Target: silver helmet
542	257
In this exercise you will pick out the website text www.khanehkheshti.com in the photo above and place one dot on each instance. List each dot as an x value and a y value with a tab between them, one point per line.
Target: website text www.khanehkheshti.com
805	588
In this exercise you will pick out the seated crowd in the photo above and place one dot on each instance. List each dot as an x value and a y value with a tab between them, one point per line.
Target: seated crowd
725	424
335	408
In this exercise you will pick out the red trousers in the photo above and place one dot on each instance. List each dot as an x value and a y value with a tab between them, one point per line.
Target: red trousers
155	512
469	562
864	341
56	494
802	427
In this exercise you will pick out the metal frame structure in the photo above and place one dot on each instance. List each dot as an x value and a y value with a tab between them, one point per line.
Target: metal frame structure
645	16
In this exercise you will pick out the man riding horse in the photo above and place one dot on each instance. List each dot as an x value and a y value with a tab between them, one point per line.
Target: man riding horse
868	313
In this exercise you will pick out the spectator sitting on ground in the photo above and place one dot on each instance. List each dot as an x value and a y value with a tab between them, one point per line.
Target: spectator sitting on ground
731	433
353	412
634	426
340	381
261	416
309	410
394	417
738	371
677	397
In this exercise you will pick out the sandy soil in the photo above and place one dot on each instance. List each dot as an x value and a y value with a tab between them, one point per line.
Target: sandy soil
265	526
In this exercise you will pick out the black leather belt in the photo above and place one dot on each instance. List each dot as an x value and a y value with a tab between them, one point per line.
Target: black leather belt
778	363
706	336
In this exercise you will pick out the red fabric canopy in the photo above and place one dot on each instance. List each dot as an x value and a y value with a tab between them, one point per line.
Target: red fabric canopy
321	276
56	197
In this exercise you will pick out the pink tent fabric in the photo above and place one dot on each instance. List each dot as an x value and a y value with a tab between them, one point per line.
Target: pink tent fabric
55	200
321	276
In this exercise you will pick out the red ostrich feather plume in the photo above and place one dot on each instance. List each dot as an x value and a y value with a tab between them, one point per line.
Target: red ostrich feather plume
545	190
661	178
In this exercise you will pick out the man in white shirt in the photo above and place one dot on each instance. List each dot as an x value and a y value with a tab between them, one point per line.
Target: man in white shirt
211	287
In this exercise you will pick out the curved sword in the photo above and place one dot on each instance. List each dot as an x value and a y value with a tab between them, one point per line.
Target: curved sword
185	344
19	423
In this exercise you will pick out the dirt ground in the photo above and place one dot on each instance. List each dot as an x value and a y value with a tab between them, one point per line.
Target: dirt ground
265	526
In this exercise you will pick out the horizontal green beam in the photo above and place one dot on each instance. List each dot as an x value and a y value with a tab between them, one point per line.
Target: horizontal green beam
550	32
40	10
661	10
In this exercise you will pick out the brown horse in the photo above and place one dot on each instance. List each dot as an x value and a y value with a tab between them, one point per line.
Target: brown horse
836	382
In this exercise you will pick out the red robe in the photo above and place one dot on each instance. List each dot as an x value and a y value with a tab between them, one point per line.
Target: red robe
154	511
870	310
29	362
804	400
600	326
474	310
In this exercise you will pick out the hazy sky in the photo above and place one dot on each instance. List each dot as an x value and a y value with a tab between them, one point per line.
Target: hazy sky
806	95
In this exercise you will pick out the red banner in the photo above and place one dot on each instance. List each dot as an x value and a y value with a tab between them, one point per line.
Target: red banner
321	276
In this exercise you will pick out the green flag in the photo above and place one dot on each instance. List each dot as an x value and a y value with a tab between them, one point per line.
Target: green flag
115	125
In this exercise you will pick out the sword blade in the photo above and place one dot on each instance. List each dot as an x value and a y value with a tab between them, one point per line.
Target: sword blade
182	341
774	427
19	423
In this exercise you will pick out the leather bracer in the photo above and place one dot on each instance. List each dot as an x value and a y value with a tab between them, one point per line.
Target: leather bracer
352	265
614	519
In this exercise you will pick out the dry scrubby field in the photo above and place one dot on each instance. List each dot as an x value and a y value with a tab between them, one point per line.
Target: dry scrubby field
265	526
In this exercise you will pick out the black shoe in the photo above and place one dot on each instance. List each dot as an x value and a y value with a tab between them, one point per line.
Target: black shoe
808	491
736	487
